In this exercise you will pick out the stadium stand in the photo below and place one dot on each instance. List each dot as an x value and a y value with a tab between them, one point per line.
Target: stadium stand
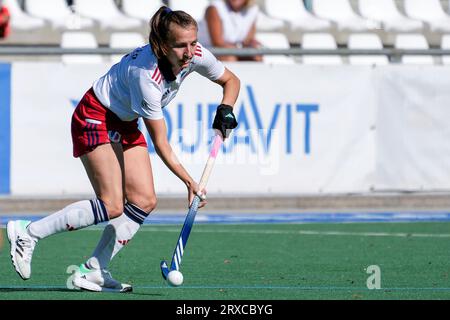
79	40
445	45
366	41
413	41
347	20
320	41
264	23
24	28
59	15
108	16
392	20
274	40
297	18
387	12
128	40
141	9
195	8
43	22
431	12
342	13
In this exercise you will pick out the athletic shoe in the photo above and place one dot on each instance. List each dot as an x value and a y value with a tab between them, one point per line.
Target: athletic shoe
22	246
98	281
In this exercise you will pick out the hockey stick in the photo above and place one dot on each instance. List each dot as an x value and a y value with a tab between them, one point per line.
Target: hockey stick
189	221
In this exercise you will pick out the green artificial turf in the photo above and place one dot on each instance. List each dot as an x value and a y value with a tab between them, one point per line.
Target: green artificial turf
252	261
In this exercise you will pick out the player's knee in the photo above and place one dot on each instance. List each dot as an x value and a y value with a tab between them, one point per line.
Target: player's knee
114	208
149	204
145	203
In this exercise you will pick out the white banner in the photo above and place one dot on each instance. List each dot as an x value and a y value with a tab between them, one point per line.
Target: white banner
302	129
43	99
413	128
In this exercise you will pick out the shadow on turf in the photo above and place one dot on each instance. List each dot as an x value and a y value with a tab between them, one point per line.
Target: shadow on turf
17	289
28	289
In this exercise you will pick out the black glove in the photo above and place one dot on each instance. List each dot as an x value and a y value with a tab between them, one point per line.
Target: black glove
224	120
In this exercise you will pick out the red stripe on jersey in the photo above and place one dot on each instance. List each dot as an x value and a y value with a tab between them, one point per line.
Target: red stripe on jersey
198	51
156	74
158	78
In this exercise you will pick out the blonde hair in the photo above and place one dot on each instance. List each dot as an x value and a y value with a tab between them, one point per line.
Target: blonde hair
160	28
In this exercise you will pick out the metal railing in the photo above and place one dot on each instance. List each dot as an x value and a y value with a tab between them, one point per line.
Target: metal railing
392	53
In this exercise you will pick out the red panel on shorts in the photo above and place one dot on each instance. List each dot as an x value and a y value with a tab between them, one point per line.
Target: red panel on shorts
93	125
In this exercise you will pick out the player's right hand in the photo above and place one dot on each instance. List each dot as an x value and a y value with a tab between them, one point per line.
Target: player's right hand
194	190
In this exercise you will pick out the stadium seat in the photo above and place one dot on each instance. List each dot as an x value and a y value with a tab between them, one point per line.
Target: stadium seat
58	13
141	9
264	23
274	40
366	41
387	12
79	40
107	14
413	41
298	19
125	40
320	41
431	12
342	13
21	21
195	8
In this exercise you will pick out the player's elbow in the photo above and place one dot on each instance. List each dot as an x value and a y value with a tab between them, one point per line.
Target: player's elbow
229	80
237	81
234	83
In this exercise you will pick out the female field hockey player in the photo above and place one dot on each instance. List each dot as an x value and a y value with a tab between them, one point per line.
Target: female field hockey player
114	152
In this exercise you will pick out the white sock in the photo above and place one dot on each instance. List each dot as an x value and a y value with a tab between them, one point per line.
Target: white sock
75	216
116	235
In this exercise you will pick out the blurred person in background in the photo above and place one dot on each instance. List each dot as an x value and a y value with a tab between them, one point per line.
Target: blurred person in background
4	20
230	24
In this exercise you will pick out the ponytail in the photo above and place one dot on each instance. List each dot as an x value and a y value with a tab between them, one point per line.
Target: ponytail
160	28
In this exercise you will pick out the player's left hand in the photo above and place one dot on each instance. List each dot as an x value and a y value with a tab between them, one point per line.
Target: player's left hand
224	121
193	190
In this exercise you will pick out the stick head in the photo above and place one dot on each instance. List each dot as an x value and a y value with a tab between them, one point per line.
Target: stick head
164	269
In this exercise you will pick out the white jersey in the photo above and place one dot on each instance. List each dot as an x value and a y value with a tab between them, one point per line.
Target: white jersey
135	87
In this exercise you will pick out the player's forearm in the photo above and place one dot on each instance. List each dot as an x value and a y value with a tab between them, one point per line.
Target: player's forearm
231	86
165	152
158	132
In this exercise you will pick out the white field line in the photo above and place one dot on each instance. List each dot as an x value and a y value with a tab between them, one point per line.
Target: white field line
310	232
238	287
